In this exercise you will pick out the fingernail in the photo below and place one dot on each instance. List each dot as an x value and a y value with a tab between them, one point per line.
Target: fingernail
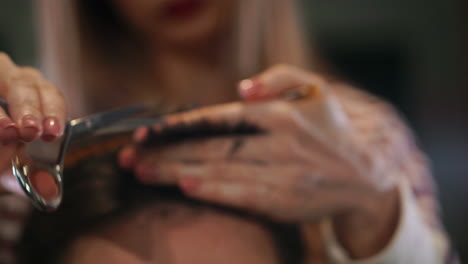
189	185
30	128
140	134
8	131
44	184
249	88
5	123
127	157
52	129
145	172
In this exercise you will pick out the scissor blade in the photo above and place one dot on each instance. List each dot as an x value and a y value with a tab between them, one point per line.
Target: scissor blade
130	124
85	125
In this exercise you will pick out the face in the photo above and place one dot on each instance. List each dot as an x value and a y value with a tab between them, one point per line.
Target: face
181	237
176	22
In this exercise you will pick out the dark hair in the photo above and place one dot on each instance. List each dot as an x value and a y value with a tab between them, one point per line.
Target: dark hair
98	192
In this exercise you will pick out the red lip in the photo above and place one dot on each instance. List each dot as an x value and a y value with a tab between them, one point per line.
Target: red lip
183	9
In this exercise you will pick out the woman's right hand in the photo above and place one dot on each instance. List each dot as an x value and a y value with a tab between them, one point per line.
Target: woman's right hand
36	109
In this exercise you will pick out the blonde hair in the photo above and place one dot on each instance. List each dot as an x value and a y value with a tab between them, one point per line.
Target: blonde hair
266	32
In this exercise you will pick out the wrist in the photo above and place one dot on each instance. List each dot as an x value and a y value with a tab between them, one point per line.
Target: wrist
366	230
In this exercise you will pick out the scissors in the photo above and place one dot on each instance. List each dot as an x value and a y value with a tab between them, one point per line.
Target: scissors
24	167
80	127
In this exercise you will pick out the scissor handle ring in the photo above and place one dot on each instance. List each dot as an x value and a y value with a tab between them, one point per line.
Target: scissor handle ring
22	172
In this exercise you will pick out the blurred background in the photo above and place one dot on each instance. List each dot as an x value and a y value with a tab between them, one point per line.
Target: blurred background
414	53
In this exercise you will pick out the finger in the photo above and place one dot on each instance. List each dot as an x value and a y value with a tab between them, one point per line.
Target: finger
266	116
8	129
227	115
259	199
200	150
24	102
53	110
234	194
231	113
214	149
9	184
7	180
141	134
44	184
308	203
6	152
290	178
282	192
277	148
6	66
275	81
127	157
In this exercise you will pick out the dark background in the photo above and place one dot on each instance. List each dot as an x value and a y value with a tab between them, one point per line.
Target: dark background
414	54
411	52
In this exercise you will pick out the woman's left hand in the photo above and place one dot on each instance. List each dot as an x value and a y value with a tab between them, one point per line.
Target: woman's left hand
309	164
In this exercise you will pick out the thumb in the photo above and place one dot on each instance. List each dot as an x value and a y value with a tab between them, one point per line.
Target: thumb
9	184
275	81
44	184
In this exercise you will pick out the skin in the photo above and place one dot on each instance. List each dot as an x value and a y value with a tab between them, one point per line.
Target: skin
36	107
316	164
298	172
36	110
152	20
185	236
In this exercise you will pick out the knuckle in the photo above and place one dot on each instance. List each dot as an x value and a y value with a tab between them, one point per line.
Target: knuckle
271	199
50	89
297	150
281	68
220	171
282	110
31	72
286	148
25	75
302	183
278	206
4	57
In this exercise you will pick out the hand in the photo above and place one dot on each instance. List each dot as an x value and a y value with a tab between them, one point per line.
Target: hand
309	164
36	109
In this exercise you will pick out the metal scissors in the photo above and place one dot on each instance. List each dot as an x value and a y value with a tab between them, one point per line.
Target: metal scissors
77	128
23	167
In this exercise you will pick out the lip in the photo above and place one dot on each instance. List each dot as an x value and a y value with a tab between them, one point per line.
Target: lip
183	9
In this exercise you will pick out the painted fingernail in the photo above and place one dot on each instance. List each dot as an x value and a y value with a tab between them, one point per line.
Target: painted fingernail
249	88
44	184
30	128
127	157
140	134
189	185
5	123
8	131
52	129
145	172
